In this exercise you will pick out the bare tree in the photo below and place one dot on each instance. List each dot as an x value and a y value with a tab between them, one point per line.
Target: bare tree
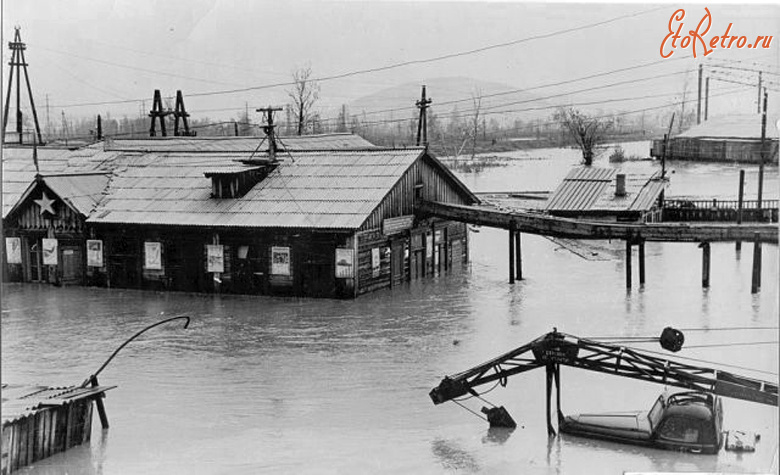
586	131
304	94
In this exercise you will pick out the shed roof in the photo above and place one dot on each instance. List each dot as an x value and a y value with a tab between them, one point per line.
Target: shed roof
336	141
326	190
22	400
736	126
589	189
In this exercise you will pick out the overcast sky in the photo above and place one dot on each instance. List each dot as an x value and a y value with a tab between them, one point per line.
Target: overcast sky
85	51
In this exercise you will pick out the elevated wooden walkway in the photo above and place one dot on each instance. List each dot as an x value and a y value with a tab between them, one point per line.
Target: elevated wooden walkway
538	223
535	222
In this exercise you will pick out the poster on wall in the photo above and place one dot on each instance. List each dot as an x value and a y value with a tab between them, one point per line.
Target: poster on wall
94	253
13	250
153	255
344	263
49	251
375	261
280	260
215	258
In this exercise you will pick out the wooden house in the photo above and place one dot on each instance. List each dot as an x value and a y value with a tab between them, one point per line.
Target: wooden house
46	236
607	194
312	223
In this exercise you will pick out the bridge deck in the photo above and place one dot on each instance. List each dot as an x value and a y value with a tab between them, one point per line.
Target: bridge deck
538	223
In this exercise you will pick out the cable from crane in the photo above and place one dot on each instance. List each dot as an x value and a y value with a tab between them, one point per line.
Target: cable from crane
469	410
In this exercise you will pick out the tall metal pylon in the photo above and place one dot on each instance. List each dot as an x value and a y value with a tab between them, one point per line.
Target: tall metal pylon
422	124
17	63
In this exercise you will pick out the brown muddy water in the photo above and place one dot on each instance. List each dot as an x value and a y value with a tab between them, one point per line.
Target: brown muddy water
272	385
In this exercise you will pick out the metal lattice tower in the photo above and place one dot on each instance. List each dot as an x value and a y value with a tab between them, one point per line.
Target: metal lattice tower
18	63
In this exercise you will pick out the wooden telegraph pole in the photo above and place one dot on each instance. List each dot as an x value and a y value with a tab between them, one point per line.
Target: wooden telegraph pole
698	103
756	275
180	113
158	112
17	63
422	123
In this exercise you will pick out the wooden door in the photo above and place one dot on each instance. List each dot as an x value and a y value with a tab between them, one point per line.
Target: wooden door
71	265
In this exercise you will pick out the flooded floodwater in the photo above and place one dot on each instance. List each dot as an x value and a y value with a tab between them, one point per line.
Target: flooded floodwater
274	385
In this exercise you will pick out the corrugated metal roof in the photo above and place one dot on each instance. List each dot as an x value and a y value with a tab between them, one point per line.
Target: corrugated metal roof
21	400
238	144
335	190
589	189
83	192
19	169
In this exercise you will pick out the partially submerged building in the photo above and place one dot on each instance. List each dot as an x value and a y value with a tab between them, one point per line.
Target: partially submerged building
608	194
335	223
733	138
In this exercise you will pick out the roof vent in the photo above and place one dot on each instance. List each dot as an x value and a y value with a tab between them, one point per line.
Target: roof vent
620	184
236	181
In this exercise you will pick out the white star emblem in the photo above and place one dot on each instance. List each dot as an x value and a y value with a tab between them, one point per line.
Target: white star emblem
45	203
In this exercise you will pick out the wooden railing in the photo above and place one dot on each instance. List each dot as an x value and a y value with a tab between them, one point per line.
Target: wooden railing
675	210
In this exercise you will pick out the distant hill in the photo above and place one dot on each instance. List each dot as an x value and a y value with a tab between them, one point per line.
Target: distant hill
444	91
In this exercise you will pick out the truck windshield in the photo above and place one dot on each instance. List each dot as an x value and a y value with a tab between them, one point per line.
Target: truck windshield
654	416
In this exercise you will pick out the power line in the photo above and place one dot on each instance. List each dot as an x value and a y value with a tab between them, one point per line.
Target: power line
369	70
541	86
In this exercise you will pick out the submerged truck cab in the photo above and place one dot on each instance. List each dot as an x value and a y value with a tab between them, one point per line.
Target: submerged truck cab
688	421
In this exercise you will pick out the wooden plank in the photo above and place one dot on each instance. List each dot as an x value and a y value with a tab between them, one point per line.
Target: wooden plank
6	448
40	433
87	423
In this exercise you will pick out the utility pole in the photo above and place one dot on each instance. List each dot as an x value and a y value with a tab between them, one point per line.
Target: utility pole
706	98
65	128
157	112
761	159
667	137
422	124
180	113
268	117
758	102
698	103
48	119
99	128
17	62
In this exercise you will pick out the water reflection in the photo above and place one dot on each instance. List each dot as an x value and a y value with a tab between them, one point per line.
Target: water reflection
498	435
452	457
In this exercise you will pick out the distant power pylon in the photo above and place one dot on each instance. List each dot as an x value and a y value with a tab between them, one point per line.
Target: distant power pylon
180	113
157	112
17	63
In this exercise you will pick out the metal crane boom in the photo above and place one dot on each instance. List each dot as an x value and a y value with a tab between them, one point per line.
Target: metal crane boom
555	348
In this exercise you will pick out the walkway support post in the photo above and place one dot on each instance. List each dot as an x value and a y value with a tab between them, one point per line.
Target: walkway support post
705	264
518	257
756	281
511	253
99	403
740	203
641	246
628	263
550	370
